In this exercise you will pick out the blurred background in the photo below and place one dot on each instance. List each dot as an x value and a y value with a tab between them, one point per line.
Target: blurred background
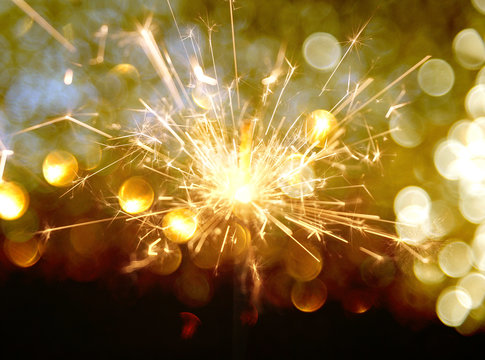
64	295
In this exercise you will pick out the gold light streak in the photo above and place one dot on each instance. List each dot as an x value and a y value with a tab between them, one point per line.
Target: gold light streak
102	34
44	24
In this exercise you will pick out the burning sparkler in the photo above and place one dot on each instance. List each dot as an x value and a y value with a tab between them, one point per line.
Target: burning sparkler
227	179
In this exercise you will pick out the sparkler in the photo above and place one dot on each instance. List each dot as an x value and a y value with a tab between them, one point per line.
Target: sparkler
238	177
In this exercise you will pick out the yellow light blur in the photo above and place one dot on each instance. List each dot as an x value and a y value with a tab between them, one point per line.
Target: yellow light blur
474	284
296	177
299	263
428	272
23	254
478	247
322	51
318	125
475	101
193	287
479	5
436	77
215	251
87	240
412	206
453	306
135	195
406	129
168	259
309	296
469	49
455	259
179	225
60	168
14	200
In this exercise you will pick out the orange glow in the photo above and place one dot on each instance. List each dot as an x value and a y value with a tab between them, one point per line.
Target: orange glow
23	254
309	296
14	200
299	263
60	168
179	225
135	195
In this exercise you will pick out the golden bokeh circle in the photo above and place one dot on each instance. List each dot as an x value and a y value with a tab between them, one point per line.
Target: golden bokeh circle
179	225
309	296
135	195
14	200
60	168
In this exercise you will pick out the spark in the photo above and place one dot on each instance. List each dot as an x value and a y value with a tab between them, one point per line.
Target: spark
44	24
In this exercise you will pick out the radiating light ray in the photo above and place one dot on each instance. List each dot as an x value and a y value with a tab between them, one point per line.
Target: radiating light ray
44	24
60	119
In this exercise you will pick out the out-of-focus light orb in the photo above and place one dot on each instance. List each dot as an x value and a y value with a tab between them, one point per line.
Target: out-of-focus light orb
480	76
478	247
474	285
471	207
447	159
193	287
357	301
299	263
135	195
469	49
88	155
441	220
412	205
23	254
456	259
413	234
406	129
322	51
237	242
479	5
167	260
427	272
87	240
309	296
318	125
475	101
436	77
296	177
179	225
60	168
14	200
453	306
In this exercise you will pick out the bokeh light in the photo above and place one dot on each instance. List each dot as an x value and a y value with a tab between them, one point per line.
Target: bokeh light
60	168
322	51
135	195
179	225
453	306
436	77
469	49
14	200
309	296
456	259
